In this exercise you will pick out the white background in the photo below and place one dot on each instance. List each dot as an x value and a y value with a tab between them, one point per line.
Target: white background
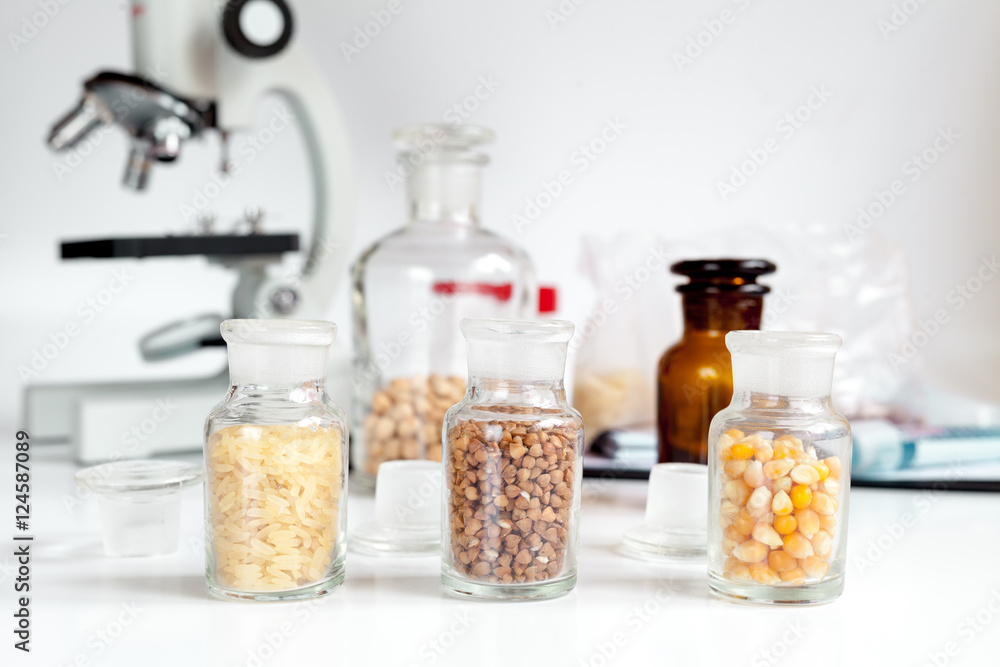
558	86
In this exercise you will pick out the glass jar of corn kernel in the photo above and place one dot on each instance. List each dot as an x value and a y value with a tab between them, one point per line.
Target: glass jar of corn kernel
276	462
513	465
779	473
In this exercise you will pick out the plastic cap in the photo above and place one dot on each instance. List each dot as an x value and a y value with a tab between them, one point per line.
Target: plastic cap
547	300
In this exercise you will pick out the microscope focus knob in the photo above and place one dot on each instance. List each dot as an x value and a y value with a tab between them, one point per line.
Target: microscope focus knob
257	28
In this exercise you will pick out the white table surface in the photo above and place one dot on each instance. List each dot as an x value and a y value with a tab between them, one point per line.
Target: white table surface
916	599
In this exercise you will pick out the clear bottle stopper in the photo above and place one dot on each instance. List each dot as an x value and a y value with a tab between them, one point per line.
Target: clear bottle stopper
407	511
676	514
140	503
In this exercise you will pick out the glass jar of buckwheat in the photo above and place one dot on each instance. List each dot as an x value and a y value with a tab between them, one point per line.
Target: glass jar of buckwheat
513	465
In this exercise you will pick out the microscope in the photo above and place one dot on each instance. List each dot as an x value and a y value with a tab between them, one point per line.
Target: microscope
202	66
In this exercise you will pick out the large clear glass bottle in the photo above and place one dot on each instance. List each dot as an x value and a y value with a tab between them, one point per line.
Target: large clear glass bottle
779	473
513	466
694	379
413	287
276	466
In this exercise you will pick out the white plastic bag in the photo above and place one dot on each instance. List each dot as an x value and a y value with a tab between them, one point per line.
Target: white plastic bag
825	282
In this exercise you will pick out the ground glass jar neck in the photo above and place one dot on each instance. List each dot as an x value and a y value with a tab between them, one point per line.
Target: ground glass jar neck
491	391
445	191
278	355
721	312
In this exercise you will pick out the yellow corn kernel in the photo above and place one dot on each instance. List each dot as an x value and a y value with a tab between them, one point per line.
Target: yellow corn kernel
782	484
731	563
766	534
801	496
735	434
823	504
754	474
785	525
797	546
808	522
759	502
763	452
822	469
762	574
781	449
804	474
828	522
814	567
728	510
752	551
792	441
739	572
822	543
737	491
778	467
744	522
833	463
831	487
794	577
735	468
728	545
741	451
779	561
733	533
781	504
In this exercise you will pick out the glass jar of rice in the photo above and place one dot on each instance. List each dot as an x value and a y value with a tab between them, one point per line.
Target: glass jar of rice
276	466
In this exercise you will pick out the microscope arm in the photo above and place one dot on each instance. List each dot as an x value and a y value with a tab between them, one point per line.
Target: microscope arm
308	292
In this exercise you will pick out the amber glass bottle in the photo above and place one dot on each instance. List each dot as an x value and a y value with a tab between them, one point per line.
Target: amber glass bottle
695	377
